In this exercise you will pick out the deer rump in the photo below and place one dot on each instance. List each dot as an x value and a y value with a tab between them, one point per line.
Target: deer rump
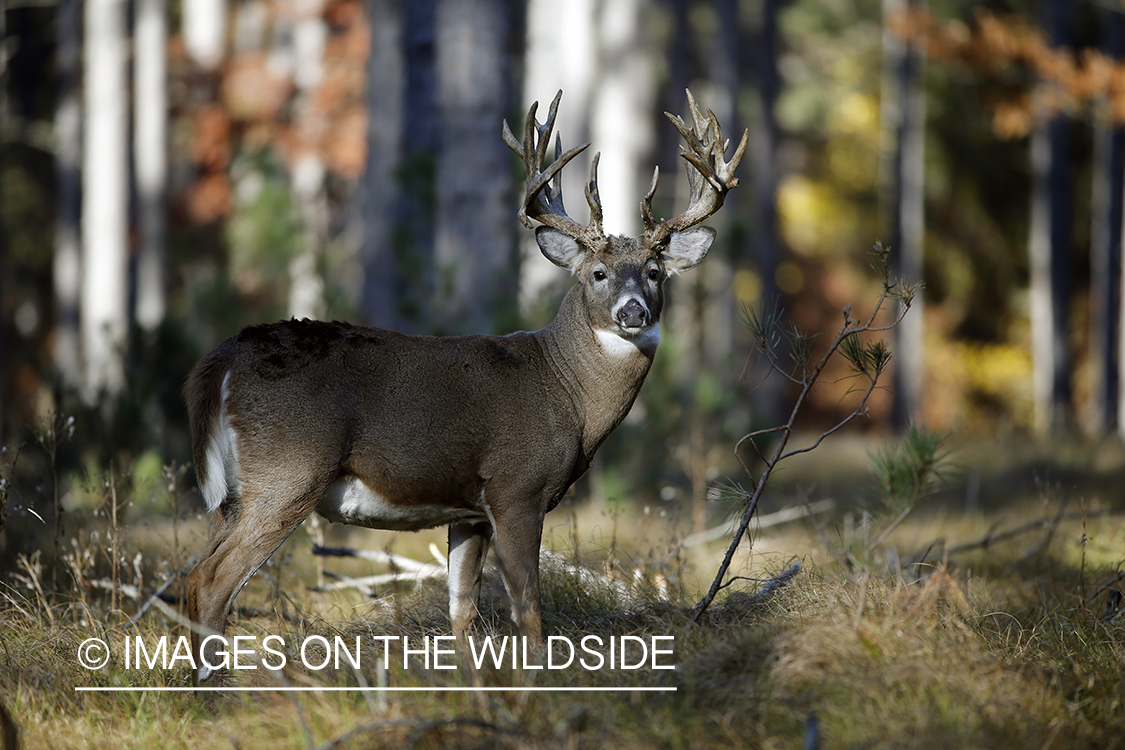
378	429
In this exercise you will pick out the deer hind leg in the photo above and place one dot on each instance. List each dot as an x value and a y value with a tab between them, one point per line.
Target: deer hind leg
237	549
518	535
468	545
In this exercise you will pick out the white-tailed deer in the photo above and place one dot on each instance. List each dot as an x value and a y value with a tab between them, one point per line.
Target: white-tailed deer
480	433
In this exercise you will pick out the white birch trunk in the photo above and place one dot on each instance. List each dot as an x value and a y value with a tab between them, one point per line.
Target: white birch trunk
204	31
623	123
150	112
562	54
306	285
104	302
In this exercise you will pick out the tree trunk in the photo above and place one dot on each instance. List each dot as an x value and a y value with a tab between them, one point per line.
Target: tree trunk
766	249
306	283
380	190
104	296
1105	252
204	31
1048	246
150	148
903	113
561	54
67	266
413	236
623	124
474	248
3	248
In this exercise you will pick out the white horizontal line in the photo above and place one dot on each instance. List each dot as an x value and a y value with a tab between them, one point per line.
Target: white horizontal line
279	689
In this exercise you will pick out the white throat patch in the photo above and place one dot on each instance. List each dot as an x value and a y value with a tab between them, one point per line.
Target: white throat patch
617	345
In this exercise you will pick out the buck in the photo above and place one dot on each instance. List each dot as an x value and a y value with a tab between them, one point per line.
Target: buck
481	433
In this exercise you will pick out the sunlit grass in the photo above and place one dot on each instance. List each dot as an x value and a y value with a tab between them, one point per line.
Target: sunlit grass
1007	644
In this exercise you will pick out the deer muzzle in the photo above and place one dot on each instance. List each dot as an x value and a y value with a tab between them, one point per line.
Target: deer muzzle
633	314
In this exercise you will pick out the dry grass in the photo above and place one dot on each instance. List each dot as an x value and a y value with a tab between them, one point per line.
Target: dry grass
989	647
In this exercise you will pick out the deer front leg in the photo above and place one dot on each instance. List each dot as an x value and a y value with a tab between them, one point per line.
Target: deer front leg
518	534
468	545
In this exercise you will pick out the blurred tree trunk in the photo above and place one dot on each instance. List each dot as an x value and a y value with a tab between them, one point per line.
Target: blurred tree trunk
765	140
474	241
204	25
385	101
305	47
104	293
1048	246
706	304
561	54
623	112
3	236
903	114
67	266
413	234
150	148
1105	255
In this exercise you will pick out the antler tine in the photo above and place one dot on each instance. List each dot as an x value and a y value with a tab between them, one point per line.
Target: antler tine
543	199
593	197
646	204
710	177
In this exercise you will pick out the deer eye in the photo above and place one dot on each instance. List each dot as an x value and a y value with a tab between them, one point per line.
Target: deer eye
599	275
654	274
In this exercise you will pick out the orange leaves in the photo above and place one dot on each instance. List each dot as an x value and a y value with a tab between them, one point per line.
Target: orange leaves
253	90
259	105
1012	52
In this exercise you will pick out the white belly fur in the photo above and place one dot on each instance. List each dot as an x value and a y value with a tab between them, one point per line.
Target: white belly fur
352	502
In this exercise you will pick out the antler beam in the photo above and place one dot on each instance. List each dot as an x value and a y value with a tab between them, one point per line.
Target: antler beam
543	201
710	177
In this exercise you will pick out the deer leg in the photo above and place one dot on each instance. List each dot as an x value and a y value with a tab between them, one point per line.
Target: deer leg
468	545
236	551
518	536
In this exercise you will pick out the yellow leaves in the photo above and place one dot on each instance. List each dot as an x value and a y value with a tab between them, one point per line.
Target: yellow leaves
969	381
814	217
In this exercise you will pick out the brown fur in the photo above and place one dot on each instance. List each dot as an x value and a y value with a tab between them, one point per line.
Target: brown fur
489	430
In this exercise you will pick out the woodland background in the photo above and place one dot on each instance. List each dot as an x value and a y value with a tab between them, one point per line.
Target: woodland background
172	172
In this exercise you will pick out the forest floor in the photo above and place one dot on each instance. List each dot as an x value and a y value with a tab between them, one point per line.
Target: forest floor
988	617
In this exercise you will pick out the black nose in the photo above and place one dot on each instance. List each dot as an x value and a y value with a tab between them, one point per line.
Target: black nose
632	315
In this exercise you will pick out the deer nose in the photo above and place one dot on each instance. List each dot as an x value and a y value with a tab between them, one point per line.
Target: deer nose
632	315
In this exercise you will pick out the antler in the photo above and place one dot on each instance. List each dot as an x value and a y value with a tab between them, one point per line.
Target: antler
709	176
544	200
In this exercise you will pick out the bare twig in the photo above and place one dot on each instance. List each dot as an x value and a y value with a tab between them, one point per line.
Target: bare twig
1119	577
867	361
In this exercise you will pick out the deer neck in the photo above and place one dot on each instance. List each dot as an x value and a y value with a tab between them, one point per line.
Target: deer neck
601	371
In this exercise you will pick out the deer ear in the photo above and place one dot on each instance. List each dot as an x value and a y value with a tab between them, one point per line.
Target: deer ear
561	249
687	249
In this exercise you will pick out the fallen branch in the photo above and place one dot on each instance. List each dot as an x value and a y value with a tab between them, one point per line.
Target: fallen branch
991	538
777	518
381	557
383	579
768	588
590	578
156	596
